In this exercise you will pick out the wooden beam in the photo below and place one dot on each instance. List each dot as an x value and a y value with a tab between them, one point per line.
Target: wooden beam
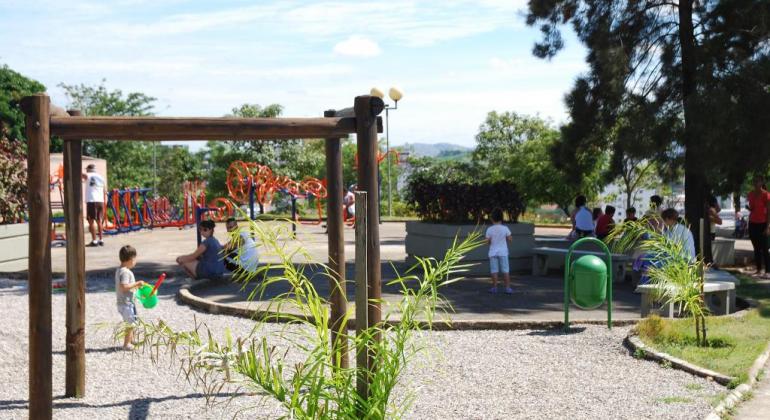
161	128
362	297
367	108
75	371
336	238
37	108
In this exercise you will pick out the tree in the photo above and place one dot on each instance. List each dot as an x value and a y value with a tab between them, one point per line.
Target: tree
518	148
665	52
13	87
127	163
177	166
637	136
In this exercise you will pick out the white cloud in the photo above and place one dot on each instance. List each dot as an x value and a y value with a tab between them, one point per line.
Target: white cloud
357	46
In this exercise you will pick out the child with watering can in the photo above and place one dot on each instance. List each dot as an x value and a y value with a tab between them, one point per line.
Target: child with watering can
125	283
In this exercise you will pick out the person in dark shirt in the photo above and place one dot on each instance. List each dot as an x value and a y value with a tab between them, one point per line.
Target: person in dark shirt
605	222
630	215
205	261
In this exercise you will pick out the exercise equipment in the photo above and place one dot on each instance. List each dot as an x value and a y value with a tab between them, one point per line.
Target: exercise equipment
587	280
252	183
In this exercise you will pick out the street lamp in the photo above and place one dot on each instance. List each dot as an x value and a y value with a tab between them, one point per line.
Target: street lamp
395	95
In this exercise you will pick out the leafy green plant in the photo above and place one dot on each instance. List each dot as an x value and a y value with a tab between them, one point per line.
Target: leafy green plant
448	201
13	181
678	279
317	387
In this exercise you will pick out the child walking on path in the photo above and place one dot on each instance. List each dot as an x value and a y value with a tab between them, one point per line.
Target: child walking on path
125	283
498	236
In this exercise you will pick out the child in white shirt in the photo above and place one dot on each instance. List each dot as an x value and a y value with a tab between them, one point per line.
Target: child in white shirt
497	237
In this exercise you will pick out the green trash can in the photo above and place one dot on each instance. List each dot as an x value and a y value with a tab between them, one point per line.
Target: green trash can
588	286
588	280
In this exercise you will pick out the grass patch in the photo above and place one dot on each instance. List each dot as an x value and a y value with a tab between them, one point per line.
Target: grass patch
694	387
675	400
733	343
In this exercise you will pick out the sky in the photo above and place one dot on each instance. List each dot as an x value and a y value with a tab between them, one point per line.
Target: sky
454	60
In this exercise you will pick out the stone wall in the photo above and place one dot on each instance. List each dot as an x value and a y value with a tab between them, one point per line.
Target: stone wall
433	239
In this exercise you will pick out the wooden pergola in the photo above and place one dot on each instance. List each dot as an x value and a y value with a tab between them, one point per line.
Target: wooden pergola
44	120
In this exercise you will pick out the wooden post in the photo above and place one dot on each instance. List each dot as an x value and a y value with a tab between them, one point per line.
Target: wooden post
336	237
362	296
366	110
75	372
37	108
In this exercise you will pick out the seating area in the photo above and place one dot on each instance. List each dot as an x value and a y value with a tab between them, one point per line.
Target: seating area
719	296
543	260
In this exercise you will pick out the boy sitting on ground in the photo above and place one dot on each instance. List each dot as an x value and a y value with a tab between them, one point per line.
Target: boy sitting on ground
240	252
125	283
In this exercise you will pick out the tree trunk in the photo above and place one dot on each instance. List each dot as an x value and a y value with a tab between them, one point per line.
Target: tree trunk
694	174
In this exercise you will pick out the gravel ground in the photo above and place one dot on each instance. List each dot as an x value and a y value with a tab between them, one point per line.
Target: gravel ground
466	375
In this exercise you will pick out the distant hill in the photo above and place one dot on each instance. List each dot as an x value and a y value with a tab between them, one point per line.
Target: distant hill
437	149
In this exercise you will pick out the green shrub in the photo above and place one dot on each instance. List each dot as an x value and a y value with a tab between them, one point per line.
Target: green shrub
461	202
317	387
13	180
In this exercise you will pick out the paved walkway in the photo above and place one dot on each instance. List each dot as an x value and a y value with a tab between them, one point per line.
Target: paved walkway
535	298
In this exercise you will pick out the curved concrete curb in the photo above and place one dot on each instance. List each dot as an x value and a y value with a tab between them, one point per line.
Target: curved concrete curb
636	345
736	396
186	296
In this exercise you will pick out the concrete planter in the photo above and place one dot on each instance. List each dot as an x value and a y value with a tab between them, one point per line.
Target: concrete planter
723	251
14	247
433	239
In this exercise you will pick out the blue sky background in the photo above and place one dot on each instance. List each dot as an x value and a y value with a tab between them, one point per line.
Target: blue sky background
455	60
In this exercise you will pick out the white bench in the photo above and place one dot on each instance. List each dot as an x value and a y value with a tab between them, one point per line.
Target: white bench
719	295
541	257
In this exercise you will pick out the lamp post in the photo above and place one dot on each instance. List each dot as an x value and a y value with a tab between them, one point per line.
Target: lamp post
395	95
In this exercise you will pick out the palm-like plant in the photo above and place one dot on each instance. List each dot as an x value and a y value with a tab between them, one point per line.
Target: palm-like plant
317	387
677	276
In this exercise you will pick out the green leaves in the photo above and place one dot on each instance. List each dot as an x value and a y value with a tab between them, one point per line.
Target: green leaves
13	180
677	277
309	383
13	87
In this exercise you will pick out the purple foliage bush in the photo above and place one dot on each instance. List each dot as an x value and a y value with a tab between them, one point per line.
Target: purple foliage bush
13	180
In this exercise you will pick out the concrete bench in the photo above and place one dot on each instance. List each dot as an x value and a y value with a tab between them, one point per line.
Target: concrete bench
720	299
541	257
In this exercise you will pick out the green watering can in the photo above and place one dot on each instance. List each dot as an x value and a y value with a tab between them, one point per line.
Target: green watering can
146	294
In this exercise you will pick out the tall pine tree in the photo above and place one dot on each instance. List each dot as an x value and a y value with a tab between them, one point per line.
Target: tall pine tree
664	56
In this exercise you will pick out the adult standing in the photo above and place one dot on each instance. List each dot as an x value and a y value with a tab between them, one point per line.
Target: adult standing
713	209
582	218
95	186
349	201
759	215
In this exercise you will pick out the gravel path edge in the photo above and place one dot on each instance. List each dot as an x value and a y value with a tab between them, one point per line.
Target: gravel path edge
187	296
638	348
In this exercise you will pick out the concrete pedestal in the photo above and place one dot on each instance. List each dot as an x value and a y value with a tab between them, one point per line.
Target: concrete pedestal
433	239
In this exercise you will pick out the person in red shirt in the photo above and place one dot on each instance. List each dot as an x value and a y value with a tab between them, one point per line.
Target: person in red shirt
605	223
759	215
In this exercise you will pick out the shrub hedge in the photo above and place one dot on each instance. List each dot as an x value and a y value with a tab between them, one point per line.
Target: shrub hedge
13	180
462	202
